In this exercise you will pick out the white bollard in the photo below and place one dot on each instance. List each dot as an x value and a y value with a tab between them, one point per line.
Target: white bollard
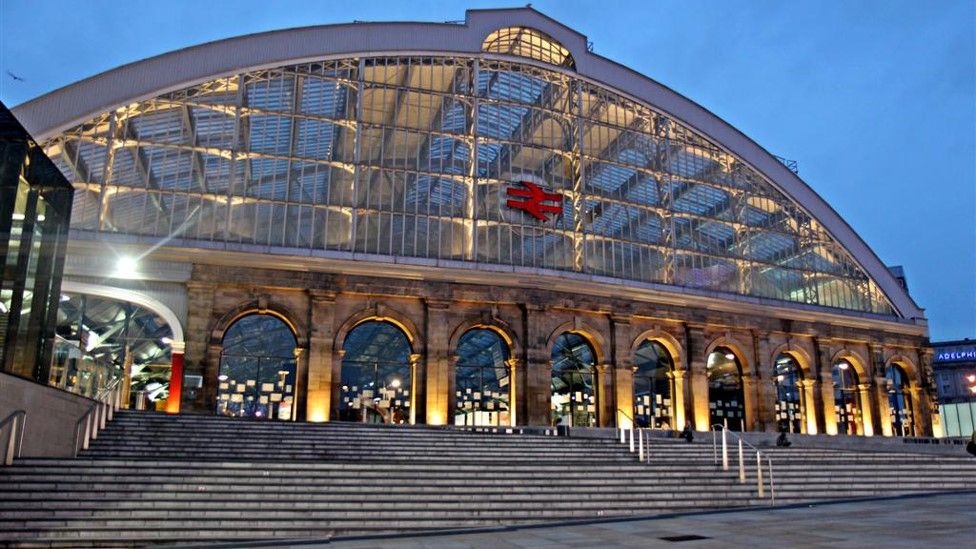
648	452
742	465
623	435
725	451
759	478
631	431
640	444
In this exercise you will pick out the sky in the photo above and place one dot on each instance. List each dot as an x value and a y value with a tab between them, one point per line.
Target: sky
876	100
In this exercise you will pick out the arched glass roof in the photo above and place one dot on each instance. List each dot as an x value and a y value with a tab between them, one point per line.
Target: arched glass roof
413	156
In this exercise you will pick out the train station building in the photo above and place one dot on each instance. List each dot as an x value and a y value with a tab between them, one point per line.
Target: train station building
469	223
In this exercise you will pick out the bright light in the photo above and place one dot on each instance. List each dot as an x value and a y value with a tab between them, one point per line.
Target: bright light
166	340
395	383
973	389
222	377
780	377
65	297
3	307
971	378
842	365
730	356
126	266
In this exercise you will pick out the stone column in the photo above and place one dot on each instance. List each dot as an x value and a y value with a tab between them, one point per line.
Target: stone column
927	420
438	367
867	409
208	393
513	390
915	394
414	398
604	395
695	337
177	348
335	399
622	412
749	400
320	355
536	380
824	410
808	391
765	387
200	295
883	420
679	379
299	400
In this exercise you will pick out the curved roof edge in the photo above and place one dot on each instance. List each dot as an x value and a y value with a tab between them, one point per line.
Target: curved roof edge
76	103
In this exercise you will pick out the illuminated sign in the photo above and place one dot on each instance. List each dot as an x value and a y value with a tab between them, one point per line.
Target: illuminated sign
535	203
955	354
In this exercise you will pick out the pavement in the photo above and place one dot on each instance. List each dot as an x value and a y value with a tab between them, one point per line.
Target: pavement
947	520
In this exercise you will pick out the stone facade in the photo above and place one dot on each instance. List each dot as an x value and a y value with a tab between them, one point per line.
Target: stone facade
321	308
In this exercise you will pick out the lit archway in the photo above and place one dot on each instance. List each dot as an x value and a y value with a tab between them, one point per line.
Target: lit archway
790	410
726	400
900	401
482	379
653	386
377	375
573	398
257	369
847	399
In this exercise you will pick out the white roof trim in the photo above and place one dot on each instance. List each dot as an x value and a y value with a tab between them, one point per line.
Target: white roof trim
77	103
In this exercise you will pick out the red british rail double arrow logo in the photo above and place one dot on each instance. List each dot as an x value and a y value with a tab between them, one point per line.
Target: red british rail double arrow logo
536	198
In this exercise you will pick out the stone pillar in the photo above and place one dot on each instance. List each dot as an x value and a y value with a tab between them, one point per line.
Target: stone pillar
438	363
414	398
883	420
335	399
679	379
765	414
915	394
826	415
513	390
177	349
695	337
320	355
200	296
536	380
300	399
868	410
622	374
808	403
604	395
749	400
210	373
927	421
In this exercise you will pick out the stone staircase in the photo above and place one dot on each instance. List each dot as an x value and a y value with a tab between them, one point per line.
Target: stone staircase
155	479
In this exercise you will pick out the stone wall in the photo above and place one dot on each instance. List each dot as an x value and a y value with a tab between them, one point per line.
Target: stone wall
322	307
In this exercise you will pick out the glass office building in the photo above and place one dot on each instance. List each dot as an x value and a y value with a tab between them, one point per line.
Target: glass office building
478	222
35	208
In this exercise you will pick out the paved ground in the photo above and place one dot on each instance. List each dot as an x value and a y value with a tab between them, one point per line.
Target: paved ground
931	521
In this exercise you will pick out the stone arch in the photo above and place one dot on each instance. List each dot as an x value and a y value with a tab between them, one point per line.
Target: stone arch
263	307
799	355
855	360
592	335
906	364
487	322
736	347
379	313
667	340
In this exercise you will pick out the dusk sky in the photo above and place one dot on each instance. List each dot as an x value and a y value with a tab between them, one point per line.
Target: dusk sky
875	100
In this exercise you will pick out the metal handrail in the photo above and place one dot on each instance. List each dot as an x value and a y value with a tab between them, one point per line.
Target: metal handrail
760	485
107	401
642	436
15	440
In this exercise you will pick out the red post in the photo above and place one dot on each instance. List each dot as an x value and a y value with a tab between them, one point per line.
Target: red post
176	379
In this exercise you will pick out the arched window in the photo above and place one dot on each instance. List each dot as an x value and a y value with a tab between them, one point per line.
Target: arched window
257	369
847	399
376	374
789	395
652	386
530	43
482	383
726	403
573	397
899	402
